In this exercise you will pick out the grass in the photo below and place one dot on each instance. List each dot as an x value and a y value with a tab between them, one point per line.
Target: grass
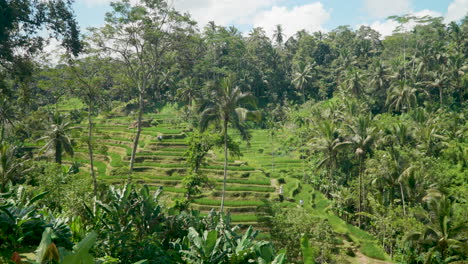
369	249
163	165
241	203
127	148
248	188
240	217
116	160
169	189
162	130
101	166
239	181
173	150
244	218
174	154
68	104
232	168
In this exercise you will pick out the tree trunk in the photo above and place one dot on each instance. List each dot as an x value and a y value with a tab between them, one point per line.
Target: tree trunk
360	190
58	153
225	165
272	153
3	133
402	198
137	136
90	147
440	95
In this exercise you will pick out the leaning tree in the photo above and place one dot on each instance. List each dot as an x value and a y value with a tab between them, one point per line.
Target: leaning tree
143	38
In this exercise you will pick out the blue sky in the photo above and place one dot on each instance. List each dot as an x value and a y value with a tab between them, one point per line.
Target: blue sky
294	15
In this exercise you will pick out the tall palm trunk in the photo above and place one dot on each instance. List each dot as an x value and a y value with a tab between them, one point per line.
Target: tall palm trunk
225	164
58	152
3	133
272	153
137	136
402	198
360	191
90	148
440	95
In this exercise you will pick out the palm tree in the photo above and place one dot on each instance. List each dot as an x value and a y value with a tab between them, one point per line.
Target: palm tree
457	69
57	139
402	97
188	91
226	108
362	139
355	83
378	79
278	35
10	166
301	77
329	142
439	82
7	115
443	234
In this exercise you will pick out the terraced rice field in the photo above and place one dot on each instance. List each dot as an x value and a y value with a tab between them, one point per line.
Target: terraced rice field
253	179
162	163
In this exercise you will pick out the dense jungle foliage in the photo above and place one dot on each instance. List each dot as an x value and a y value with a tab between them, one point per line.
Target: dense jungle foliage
373	129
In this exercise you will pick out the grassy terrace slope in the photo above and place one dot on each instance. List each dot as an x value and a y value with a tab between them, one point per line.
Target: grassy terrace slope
253	179
162	163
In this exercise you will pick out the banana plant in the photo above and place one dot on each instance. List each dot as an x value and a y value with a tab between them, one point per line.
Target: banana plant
47	252
20	222
204	248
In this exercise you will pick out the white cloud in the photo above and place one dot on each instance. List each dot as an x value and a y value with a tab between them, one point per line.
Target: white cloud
223	12
93	3
385	28
385	8
456	10
310	17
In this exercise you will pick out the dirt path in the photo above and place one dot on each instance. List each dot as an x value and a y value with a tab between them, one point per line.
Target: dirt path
362	259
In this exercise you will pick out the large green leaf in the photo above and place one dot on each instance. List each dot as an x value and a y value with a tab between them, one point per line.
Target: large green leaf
80	253
45	242
280	259
210	242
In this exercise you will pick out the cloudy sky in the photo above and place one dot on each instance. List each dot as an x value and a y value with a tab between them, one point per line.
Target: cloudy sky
294	15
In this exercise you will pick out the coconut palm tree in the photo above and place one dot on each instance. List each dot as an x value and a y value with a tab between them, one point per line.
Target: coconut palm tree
355	82
379	77
278	35
443	233
329	142
402	97
188	91
362	136
57	139
224	108
439	81
301	77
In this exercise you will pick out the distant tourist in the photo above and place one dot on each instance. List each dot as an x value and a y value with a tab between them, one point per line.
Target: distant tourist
301	202
160	138
281	189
